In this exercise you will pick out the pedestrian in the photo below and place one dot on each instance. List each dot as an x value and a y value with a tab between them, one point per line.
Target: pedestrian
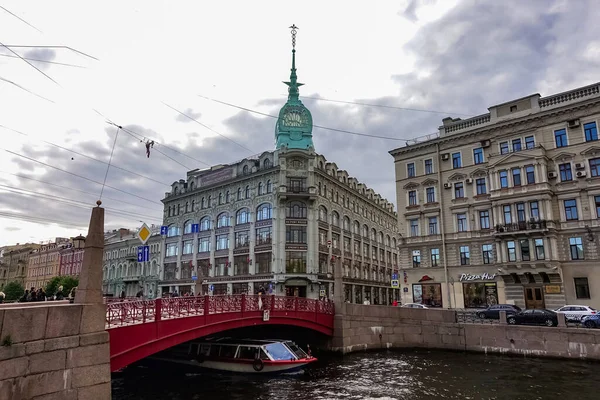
25	296
122	295
59	294
40	295
2	296
395	303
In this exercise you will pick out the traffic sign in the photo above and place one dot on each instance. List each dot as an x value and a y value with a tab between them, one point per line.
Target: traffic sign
143	253
395	284
322	292
211	288
195	228
394	277
194	278
329	243
164	230
140	253
144	233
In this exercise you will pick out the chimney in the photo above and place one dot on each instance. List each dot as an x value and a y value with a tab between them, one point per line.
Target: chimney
123	232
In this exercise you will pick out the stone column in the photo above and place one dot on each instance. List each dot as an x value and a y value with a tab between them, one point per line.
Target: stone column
90	280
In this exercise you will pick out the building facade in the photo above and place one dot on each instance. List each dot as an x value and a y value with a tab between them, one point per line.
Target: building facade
504	207
14	261
71	260
44	263
122	272
278	221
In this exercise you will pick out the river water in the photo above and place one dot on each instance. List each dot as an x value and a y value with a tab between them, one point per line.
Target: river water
414	375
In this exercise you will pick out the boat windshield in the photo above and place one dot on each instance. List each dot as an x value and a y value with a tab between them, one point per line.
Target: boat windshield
296	350
278	351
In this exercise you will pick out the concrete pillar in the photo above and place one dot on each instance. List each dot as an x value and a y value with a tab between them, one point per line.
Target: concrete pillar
90	279
503	317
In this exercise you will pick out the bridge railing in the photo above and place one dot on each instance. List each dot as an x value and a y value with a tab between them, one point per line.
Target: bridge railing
134	312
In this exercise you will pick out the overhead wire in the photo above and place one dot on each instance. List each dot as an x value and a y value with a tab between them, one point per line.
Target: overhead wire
112	151
25	89
51	47
30	64
45	61
38	220
20	19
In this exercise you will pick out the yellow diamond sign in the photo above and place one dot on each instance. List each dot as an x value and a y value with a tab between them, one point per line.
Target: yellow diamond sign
144	233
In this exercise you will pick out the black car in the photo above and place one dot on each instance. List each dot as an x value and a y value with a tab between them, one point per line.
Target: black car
493	312
534	317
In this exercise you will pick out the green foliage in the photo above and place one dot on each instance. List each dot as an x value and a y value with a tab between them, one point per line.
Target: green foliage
13	291
7	341
67	282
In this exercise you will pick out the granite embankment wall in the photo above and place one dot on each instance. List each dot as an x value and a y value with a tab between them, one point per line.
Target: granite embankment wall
360	327
54	352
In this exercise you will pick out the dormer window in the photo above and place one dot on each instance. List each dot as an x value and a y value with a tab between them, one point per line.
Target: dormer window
513	108
245	170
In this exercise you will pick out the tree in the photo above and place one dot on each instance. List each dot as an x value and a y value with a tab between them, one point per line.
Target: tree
67	282
13	291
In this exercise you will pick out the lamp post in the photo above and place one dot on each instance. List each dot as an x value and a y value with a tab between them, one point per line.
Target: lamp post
79	242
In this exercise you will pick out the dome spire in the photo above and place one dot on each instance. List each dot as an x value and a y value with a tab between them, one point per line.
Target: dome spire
293	85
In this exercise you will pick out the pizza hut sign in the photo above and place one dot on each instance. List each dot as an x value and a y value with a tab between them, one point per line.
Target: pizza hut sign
483	277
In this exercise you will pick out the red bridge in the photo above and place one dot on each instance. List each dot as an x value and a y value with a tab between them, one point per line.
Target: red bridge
141	328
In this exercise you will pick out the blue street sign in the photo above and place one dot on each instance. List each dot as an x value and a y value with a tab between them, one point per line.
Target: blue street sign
211	288
140	253
143	253
194	278
195	228
164	230
146	253
394	277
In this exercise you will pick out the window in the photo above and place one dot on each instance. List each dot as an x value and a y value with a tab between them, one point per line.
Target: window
245	170
507	214
576	247
263	262
520	212
595	166
242	239
430	194
247	192
188	247
239	194
187	227
465	256
410	170
416	258
296	234
412	198
295	209
512	251
516	174
539	249
484	219
295	262
263	235
487	253
461	222
571	210
172	249
456	161
560	137
267	163
459	191
433	226
223	220
582	288
173	231
478	155
480	185
269	187
597	201
414	227
530	174
435	257
205	224
529	142
525	254
203	244
516	144
428	167
263	212
260	188
534	211
222	242
591	131
242	217
503	179
565	172
504	148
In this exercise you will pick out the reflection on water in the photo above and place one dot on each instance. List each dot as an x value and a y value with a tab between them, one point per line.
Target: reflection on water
411	375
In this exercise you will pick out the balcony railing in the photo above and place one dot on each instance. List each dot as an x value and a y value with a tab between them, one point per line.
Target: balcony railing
522	226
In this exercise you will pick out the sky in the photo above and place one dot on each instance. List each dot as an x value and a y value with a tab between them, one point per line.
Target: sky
138	64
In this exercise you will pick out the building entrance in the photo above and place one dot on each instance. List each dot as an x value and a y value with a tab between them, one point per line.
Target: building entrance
295	291
534	297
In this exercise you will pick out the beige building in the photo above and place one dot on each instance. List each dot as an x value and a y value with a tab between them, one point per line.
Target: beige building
44	263
14	261
504	207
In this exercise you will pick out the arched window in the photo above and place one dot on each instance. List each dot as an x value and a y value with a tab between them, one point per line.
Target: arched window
260	188
173	231
373	234
269	187
296	209
176	190
239	194
187	226
335	218
245	170
209	205
223	220
320	189
394	243
264	211
220	198
193	206
178	209
202	203
267	163
380	238
356	228
323	214
205	223
242	216
346	224
247	193
227	197
170	211
387	241
365	231
191	186
337	197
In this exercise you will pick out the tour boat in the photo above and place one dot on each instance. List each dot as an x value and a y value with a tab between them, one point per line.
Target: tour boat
241	355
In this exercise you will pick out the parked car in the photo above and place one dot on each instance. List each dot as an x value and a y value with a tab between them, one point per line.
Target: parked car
576	313
534	317
591	321
414	305
493	312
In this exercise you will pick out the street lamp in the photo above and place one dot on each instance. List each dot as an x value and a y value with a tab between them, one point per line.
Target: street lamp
79	242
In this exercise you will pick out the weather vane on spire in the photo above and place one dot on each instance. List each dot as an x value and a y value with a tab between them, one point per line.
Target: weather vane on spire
294	29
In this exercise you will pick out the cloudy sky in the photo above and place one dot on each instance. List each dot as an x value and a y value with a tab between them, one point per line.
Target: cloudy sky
447	58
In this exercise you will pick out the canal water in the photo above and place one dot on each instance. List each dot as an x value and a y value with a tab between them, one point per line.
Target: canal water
414	375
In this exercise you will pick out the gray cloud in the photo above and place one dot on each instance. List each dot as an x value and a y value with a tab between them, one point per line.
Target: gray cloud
12	229
41	55
190	112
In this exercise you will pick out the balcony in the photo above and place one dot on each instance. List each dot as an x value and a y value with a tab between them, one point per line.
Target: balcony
297	192
524	227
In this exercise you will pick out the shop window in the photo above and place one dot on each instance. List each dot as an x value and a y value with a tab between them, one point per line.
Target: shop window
480	294
429	294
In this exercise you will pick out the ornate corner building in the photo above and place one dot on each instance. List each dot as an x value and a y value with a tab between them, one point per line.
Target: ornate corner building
279	221
505	206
